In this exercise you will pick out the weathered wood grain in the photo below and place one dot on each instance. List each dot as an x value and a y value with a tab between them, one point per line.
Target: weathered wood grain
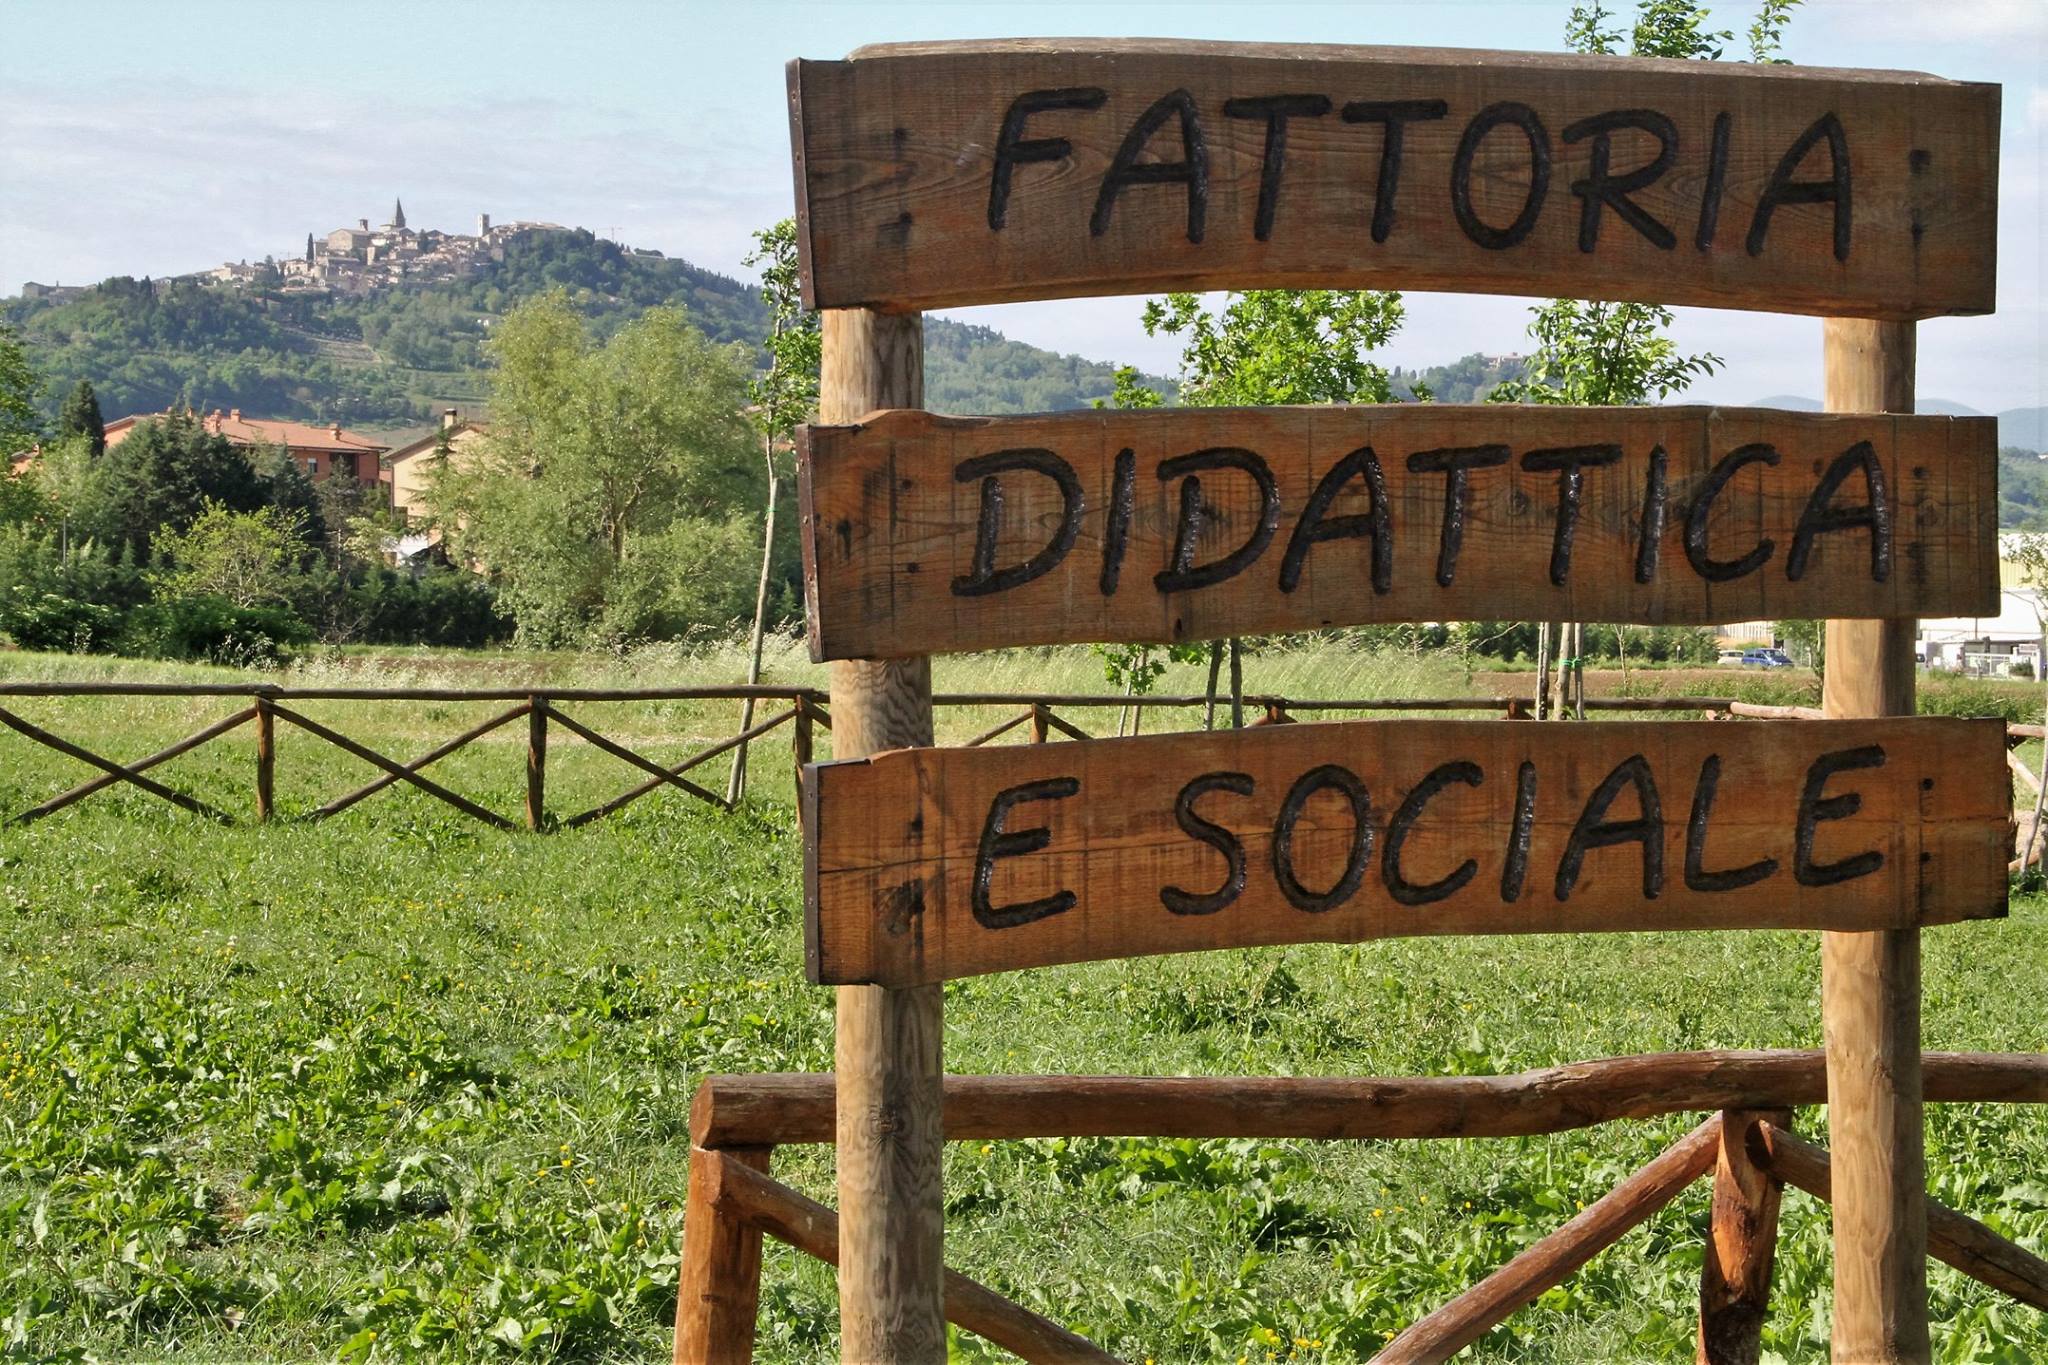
942	174
888	1044
740	1192
1742	1243
1953	1238
1173	843
927	533
757	1110
1870	982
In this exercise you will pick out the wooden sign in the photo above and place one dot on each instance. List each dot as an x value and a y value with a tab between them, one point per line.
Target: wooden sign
924	533
923	865
941	174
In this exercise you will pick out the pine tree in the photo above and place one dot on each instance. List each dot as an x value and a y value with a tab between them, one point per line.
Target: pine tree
81	417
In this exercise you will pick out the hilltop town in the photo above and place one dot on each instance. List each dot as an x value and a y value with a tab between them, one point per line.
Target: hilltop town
359	259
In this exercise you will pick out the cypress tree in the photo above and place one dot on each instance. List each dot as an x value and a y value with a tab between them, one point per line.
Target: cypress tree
81	417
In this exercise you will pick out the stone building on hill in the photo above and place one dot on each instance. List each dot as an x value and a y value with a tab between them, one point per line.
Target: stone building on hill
353	260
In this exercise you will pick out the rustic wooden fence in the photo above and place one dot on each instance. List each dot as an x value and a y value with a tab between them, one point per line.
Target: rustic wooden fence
804	713
737	1122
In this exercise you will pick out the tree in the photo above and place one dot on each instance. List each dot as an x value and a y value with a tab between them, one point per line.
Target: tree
81	417
158	479
783	395
1263	347
613	498
20	424
248	559
1621	354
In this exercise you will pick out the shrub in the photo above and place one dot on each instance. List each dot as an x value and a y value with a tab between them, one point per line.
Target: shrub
48	621
214	630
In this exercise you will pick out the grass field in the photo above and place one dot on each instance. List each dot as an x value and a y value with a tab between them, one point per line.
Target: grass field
399	1085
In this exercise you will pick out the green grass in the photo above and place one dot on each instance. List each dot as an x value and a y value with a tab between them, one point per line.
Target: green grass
400	1085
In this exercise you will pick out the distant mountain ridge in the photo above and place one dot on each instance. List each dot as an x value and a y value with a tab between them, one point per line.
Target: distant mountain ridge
2025	428
391	357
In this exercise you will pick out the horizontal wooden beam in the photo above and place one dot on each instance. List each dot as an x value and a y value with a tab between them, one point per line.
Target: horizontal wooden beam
1952	1238
788	1108
739	1191
1438	1336
924	865
937	175
925	533
728	692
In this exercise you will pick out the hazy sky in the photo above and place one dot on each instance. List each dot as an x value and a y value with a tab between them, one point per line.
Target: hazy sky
163	137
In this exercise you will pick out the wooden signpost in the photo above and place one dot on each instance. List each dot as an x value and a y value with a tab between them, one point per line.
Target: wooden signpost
929	864
924	532
934	175
954	174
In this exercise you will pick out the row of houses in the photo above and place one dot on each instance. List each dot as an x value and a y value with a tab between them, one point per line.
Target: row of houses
326	452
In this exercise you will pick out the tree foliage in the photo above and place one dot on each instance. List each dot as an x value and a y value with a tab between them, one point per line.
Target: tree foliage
1621	353
786	392
1268	346
247	559
615	497
81	417
21	422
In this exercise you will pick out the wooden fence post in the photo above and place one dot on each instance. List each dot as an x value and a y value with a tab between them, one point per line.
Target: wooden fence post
1041	721
803	737
266	759
1742	1239
536	761
720	1289
889	1056
1870	982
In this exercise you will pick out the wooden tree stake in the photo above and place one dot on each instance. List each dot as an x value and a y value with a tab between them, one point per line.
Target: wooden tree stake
1735	1279
889	1055
1870	982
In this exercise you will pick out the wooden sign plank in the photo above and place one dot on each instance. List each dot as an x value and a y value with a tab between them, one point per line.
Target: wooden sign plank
924	533
941	174
923	865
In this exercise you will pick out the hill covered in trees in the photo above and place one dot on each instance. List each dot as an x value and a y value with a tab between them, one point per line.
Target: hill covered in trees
393	357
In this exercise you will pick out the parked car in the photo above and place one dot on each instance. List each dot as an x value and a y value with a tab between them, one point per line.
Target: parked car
1729	658
1766	658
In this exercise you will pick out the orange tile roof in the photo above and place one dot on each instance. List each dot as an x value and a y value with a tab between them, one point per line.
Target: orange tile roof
250	431
298	435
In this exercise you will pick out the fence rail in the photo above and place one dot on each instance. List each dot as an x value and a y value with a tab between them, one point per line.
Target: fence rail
543	709
737	1122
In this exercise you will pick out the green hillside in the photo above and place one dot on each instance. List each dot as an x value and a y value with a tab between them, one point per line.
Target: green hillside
392	358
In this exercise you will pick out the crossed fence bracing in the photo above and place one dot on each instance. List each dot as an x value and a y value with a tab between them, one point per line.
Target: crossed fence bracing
544	710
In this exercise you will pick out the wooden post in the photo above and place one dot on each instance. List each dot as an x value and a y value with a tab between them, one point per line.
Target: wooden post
1870	982
536	761
889	1056
803	738
1041	721
1735	1278
266	759
720	1289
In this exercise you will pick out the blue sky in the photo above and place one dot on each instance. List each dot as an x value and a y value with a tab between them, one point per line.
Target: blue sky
165	137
